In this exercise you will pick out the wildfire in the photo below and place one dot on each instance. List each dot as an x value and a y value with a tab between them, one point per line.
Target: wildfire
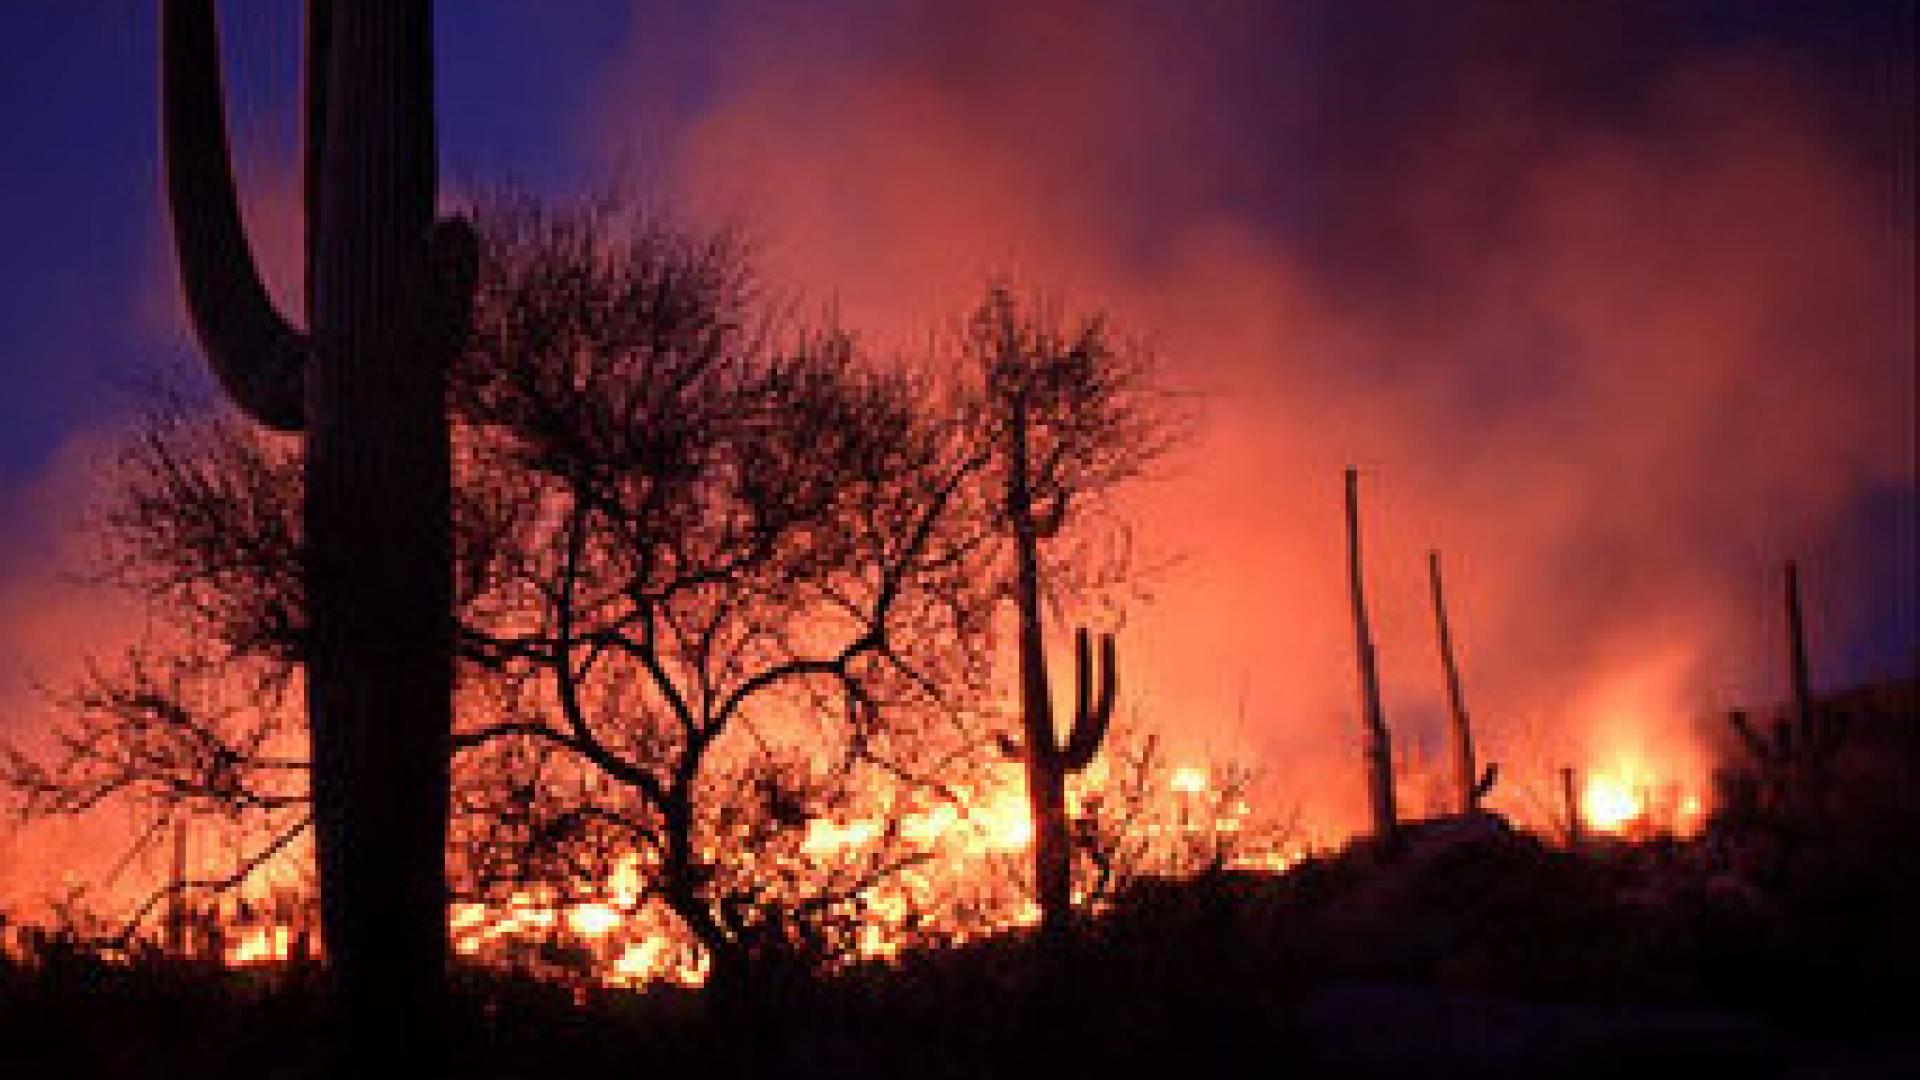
966	883
1644	772
1638	799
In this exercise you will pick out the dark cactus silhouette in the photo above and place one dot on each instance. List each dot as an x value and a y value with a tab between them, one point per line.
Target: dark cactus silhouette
1469	785
386	290
1048	761
1791	761
1803	714
1377	746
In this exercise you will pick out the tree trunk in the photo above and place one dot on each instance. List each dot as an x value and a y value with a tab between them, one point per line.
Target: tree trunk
728	965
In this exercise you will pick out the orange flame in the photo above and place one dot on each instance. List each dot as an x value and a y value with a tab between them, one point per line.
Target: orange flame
965	888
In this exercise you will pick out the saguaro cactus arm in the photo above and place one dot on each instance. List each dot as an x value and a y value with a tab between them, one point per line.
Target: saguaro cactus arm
257	355
1488	776
1092	712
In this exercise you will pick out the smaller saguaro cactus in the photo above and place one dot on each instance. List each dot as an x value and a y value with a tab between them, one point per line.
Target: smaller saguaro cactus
1470	785
1788	752
1050	761
1377	747
1790	759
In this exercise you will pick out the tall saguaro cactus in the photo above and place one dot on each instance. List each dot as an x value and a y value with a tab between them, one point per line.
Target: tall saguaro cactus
1797	678
1049	761
1469	786
1793	759
365	385
1377	747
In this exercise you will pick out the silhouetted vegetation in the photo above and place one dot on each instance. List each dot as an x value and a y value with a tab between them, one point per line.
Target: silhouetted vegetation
1480	950
718	574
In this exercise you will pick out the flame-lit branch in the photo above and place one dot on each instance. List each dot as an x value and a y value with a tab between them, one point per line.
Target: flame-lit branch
137	732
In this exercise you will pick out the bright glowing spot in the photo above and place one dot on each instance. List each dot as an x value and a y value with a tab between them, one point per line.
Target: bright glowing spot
928	828
466	917
825	837
640	962
1188	780
625	885
1003	824
592	920
262	945
1609	803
